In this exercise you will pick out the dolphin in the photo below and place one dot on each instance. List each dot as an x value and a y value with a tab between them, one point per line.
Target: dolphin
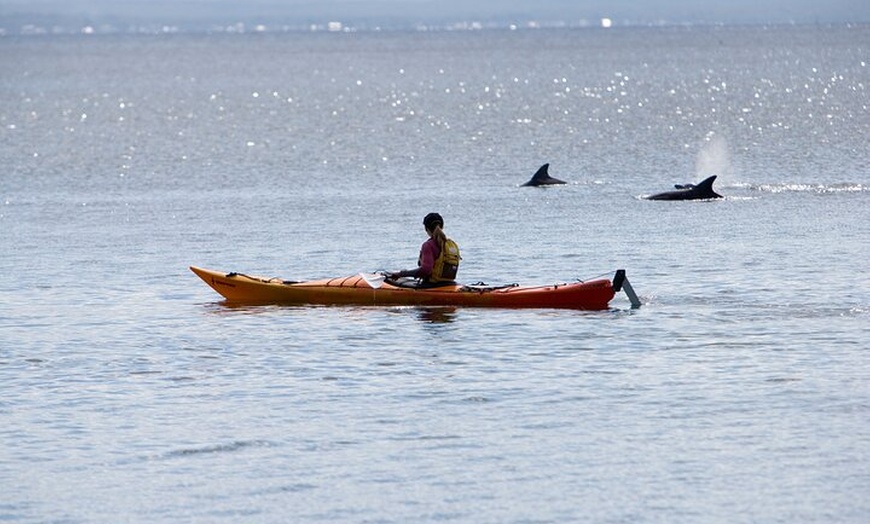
701	191
543	178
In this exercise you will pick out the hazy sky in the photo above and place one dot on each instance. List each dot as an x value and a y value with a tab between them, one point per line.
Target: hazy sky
433	11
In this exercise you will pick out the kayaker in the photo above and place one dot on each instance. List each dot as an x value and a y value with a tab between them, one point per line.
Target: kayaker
439	256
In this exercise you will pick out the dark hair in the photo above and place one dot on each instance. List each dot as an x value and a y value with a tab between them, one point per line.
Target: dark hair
435	225
431	220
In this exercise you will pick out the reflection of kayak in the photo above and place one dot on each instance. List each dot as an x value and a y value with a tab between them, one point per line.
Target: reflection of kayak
373	290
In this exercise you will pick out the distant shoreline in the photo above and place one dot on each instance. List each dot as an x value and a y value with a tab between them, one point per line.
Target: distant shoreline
35	29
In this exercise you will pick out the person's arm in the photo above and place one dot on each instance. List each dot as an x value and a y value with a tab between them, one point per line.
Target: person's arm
403	273
427	260
427	263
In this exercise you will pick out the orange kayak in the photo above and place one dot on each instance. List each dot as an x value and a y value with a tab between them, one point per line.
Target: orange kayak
372	290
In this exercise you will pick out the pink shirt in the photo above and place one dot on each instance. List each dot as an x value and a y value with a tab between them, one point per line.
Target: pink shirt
429	251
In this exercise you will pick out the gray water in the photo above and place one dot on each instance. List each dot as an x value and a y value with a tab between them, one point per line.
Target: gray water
737	393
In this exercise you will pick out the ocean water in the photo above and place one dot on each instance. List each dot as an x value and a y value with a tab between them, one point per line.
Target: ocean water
738	392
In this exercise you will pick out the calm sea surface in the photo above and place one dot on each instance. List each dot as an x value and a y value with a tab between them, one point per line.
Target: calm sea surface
739	392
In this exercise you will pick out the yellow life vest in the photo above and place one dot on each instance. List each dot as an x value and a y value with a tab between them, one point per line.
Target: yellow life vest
447	264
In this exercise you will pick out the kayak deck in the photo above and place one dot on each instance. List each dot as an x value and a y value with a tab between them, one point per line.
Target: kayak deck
356	290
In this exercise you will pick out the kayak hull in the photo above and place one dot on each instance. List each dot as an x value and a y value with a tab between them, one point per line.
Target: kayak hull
355	290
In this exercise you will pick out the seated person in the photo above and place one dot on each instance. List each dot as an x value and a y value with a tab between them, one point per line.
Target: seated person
439	257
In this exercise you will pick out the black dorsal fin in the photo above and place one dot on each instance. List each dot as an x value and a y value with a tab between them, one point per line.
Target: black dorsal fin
542	177
707	183
542	173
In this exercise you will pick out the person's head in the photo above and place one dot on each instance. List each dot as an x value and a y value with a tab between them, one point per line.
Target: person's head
431	221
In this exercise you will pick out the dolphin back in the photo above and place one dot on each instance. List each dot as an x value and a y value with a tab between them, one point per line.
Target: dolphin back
700	191
542	177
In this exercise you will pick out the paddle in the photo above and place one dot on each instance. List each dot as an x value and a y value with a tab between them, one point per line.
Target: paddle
374	280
